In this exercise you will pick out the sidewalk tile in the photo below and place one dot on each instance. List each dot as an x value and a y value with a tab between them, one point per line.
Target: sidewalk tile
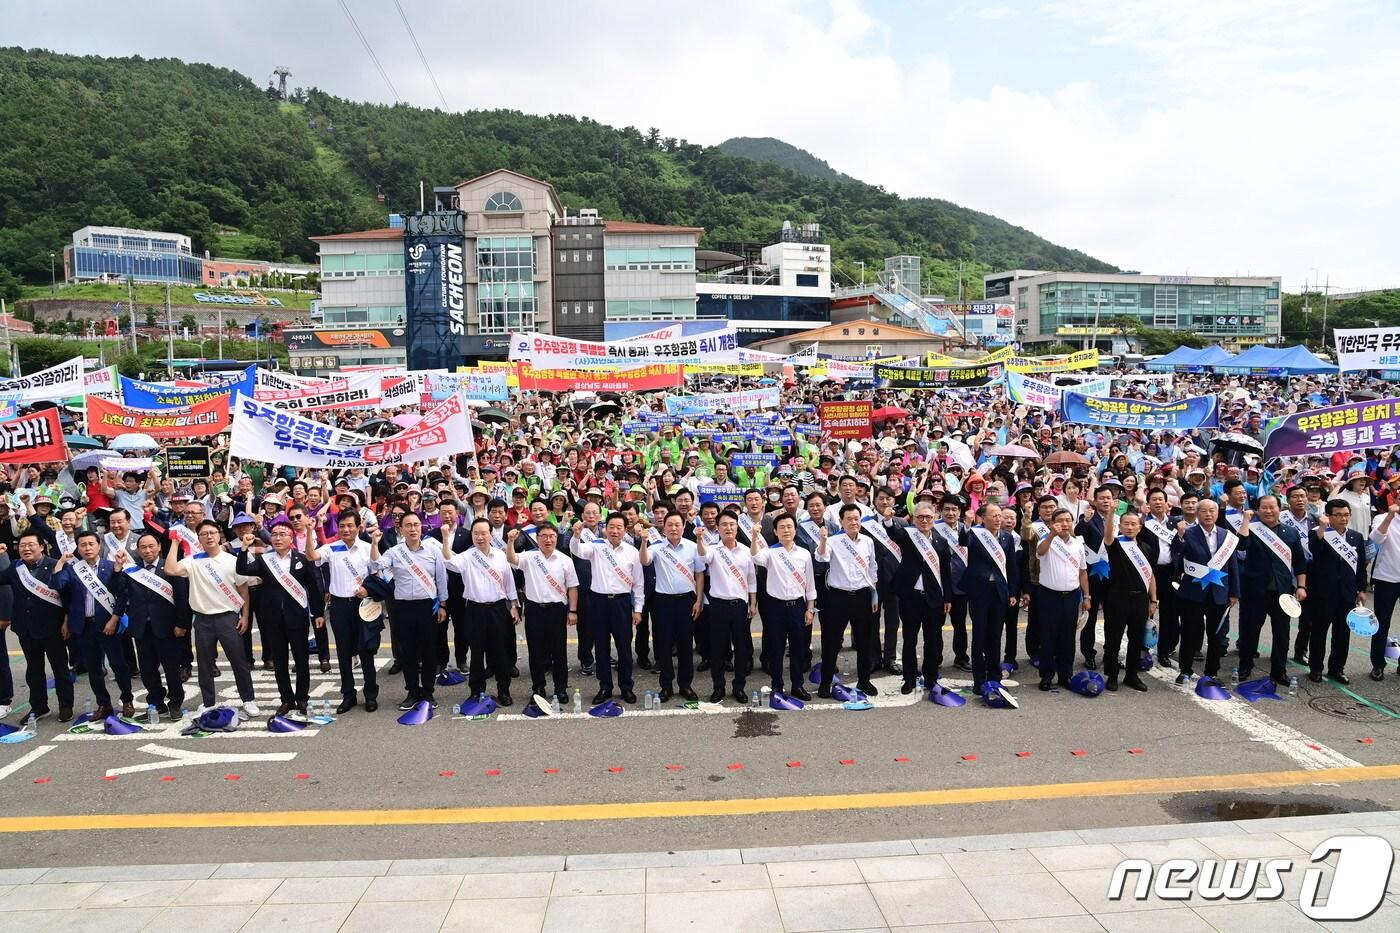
409	888
107	920
828	907
606	913
580	883
1090	887
939	900
130	873
1320	821
1166	831
203	919
22	875
507	885
1179	920
708	878
319	891
970	926
498	915
1021	897
1276	917
1261	845
1077	924
417	917
227	891
713	912
48	896
303	918
654	859
904	868
1158	851
279	870
136	894
800	874
483	865
998	841
981	864
827	852
1306	839
1069	858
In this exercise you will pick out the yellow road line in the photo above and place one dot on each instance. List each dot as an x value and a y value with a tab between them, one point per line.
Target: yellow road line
673	809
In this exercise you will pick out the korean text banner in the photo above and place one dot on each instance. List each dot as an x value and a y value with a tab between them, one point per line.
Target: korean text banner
1368	348
1027	391
1196	412
109	419
939	360
1084	359
151	395
846	420
1328	430
486	385
262	432
358	391
734	369
62	381
639	379
187	462
547	351
960	377
36	438
101	382
723	402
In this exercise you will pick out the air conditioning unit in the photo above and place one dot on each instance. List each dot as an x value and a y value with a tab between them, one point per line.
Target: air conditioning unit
588	215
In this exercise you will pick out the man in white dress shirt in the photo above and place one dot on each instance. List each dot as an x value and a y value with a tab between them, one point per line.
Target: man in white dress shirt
618	593
733	602
348	559
789	609
851	595
488	587
420	585
680	585
551	606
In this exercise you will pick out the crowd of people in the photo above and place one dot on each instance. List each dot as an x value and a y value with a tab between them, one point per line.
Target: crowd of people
659	550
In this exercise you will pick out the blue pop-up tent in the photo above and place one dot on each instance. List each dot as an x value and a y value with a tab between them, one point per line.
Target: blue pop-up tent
1165	364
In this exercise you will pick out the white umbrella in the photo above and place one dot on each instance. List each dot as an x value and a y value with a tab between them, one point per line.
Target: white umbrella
134	441
90	458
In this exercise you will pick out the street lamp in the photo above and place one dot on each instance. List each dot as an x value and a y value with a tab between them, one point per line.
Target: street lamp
53	279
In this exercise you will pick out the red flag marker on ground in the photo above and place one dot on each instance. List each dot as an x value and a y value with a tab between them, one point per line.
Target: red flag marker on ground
551	770
233	777
447	774
794	764
1316	748
736	766
615	769
1078	752
493	772
969	757
1023	754
42	780
168	777
109	777
1366	741
674	767
847	761
302	777
902	760
1135	751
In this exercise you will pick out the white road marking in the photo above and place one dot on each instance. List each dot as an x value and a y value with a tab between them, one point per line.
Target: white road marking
23	760
184	758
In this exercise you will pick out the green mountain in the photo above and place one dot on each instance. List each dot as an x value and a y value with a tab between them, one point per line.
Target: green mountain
768	149
202	150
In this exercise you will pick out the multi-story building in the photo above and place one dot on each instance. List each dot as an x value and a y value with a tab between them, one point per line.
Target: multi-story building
580	301
359	320
121	253
649	271
784	289
1078	307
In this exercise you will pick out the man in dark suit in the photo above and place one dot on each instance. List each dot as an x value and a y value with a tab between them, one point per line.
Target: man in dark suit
922	579
158	618
1092	528
992	582
1210	585
37	616
1273	564
460	540
882	527
1338	573
289	598
95	597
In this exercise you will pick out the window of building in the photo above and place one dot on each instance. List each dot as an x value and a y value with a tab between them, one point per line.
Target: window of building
503	201
588	256
660	258
806	280
664	308
590	307
563	256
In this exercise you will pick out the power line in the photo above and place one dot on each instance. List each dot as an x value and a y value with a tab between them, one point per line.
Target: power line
421	57
374	58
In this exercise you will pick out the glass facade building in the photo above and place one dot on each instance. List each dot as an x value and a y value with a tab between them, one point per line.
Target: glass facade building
765	308
505	292
92	262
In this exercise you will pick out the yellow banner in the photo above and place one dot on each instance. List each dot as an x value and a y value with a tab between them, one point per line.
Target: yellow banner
731	369
510	369
1084	359
935	360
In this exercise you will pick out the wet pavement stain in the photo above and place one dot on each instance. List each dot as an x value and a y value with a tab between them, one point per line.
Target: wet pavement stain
751	725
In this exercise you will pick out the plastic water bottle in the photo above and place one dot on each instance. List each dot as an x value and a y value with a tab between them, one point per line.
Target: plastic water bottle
31	725
1235	677
152	717
1293	685
649	702
88	708
578	700
325	707
184	717
754	698
765	694
554	705
846	671
920	682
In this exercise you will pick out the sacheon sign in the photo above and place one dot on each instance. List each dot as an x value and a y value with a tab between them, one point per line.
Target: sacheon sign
434	280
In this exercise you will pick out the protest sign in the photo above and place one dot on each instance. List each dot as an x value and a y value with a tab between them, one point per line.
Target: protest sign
187	462
1027	391
1374	423
35	438
1084	359
721	494
847	420
636	379
951	377
109	419
1184	415
732	369
362	390
1363	348
723	402
153	395
101	382
548	351
62	381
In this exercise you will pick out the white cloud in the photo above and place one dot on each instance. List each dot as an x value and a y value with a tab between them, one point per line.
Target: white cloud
1211	135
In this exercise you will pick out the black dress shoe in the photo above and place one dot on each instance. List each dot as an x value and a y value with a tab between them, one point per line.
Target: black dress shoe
1045	686
1315	677
1111	685
371	705
1378	674
689	694
1166	660
740	696
267	664
824	691
326	667
1090	664
1062	681
907	687
394	667
515	672
894	667
1181	680
963	666
1135	683
505	699
408	703
1300	659
867	688
283	710
704	665
629	697
601	695
186	672
586	670
800	693
347	705
717	696
1340	678
1281	680
216	671
729	667
663	695
644	662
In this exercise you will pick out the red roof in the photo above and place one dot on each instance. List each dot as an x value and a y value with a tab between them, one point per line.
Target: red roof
383	233
631	226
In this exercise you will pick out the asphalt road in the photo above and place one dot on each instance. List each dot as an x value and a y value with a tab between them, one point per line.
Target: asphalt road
1141	743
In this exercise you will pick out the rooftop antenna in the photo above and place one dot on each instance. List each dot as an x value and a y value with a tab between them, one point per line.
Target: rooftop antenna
283	73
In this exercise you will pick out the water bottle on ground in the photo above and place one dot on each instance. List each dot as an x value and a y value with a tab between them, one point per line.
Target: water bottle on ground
1293	685
650	701
765	694
1235	677
554	705
578	700
152	717
920	683
88	708
754	698
31	725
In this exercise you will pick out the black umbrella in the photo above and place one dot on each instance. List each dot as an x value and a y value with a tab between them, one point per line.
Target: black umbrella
1234	440
493	414
604	408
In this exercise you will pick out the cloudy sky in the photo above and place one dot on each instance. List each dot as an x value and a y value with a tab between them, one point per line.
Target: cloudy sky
1213	137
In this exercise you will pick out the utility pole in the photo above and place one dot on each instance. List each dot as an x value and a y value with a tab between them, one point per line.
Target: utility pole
131	306
1326	294
170	334
1094	336
220	310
